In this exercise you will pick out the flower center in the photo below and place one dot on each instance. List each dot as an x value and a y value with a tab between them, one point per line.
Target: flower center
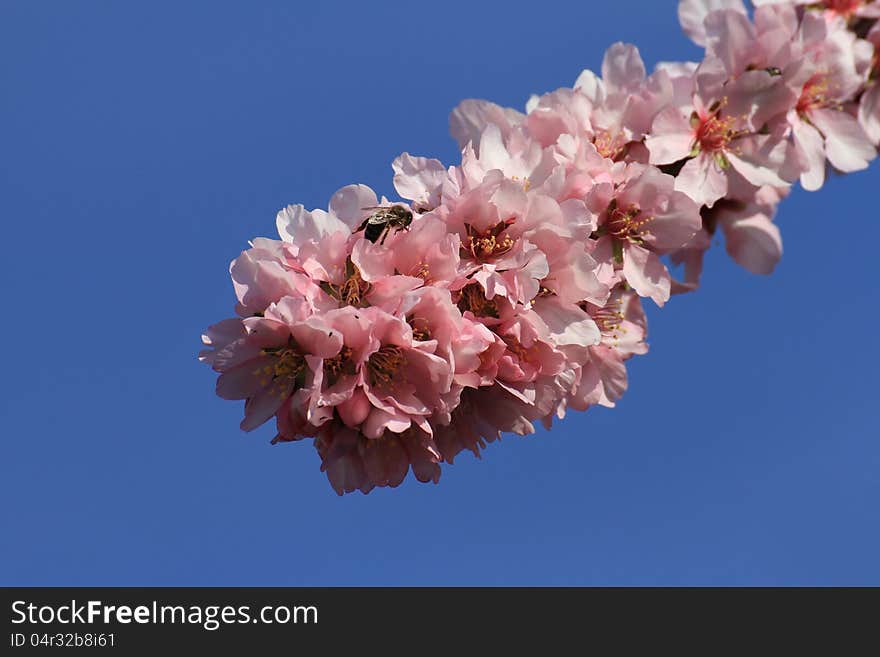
286	372
608	145
289	364
845	8
526	183
814	94
608	318
421	334
516	347
423	271
473	298
384	365
355	288
420	329
626	225
338	366
714	133
485	245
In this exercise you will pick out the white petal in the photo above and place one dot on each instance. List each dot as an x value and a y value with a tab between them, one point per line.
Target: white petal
811	151
623	69
646	274
692	13
350	204
297	225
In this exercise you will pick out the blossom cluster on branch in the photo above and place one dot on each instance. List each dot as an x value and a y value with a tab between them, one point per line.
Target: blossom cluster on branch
508	288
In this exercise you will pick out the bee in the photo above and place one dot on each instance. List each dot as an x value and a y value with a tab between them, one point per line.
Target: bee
380	223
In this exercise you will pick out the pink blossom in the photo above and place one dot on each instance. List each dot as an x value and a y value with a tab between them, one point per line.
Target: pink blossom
721	135
270	359
427	252
623	328
624	100
490	221
383	377
460	341
641	216
268	272
565	111
348	207
517	156
823	122
804	71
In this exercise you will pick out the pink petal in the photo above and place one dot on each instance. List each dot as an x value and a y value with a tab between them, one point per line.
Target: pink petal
385	461
753	242
755	173
731	37
260	408
355	410
349	203
243	381
470	118
703	180
672	137
646	274
869	112
418	178
315	338
811	151
297	225
847	146
612	371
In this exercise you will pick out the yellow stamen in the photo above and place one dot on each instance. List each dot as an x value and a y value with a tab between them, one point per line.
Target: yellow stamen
338	366
383	366
472	298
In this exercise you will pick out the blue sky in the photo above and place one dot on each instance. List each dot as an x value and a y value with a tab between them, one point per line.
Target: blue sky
143	144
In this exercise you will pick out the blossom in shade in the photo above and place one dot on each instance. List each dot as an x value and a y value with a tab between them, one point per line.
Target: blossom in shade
353	462
751	237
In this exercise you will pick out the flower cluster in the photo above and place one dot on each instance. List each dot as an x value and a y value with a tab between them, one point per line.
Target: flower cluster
508	288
